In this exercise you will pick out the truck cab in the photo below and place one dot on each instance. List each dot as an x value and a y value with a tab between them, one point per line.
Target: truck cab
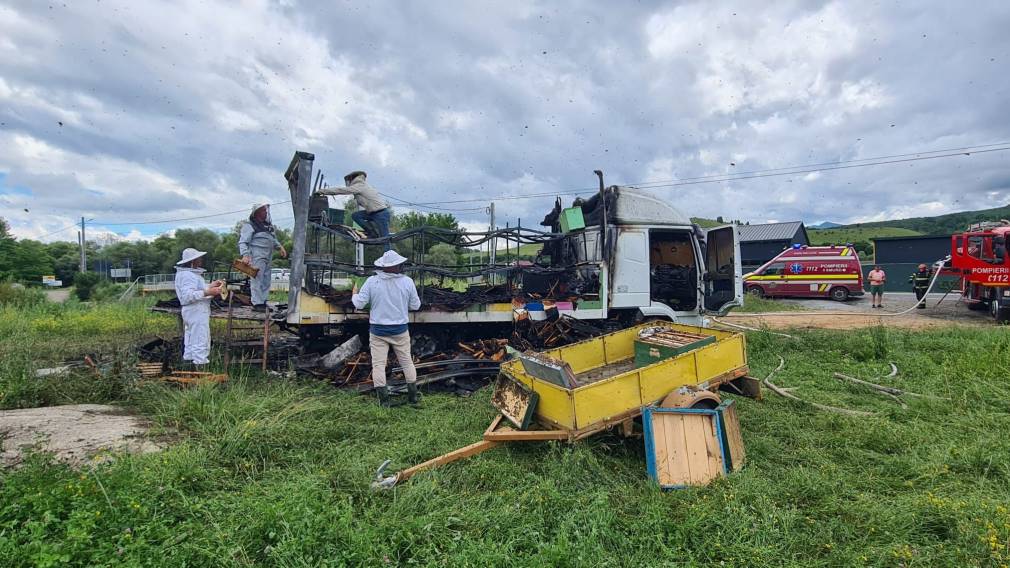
626	255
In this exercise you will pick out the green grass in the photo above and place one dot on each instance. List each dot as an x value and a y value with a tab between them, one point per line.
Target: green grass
757	304
273	472
854	235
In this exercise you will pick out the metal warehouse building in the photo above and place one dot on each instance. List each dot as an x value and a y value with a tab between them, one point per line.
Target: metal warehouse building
929	248
760	243
899	257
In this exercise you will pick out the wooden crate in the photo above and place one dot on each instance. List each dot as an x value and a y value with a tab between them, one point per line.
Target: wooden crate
665	345
691	446
684	447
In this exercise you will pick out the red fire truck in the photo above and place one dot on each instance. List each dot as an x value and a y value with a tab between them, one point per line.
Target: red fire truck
979	258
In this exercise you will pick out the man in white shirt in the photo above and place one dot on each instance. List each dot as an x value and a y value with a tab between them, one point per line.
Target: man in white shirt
373	211
390	295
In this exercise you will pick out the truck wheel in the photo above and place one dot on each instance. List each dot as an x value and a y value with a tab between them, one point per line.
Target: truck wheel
1001	315
839	294
756	291
977	306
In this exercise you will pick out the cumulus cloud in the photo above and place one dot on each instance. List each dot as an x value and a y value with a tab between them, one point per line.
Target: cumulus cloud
124	111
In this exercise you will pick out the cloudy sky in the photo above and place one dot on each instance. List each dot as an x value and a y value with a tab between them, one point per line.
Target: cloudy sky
128	112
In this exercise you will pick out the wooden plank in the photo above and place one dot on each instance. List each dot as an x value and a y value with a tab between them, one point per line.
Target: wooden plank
659	449
494	424
732	435
678	464
696	453
455	455
509	435
714	447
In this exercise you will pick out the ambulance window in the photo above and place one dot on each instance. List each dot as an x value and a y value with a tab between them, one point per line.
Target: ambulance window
775	269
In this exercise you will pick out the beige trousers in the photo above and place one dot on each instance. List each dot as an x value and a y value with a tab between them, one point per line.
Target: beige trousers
379	345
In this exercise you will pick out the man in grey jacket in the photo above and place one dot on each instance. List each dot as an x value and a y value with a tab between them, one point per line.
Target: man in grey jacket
256	243
373	211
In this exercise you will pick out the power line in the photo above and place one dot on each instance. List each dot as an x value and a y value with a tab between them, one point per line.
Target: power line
183	219
841	167
59	230
957	151
447	209
772	172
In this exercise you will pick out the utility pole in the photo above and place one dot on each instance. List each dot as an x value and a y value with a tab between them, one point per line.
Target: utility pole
492	243
84	254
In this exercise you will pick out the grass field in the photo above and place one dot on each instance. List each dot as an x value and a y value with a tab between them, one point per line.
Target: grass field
756	304
855	235
272	472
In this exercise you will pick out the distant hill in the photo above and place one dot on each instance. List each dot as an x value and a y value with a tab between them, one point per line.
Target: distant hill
825	225
842	235
706	223
939	225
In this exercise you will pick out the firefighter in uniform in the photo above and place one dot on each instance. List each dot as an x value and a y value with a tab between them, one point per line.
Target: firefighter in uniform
920	283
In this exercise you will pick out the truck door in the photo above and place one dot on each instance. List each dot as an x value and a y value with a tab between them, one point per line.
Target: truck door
630	287
723	282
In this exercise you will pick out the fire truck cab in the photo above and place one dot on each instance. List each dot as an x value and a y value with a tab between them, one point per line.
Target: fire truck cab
979	258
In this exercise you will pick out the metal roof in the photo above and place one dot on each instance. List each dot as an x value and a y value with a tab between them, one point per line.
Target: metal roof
769	231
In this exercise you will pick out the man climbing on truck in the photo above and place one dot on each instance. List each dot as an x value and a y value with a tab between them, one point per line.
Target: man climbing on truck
390	294
373	213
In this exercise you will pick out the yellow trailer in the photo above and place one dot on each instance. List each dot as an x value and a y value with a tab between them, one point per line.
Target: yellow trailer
609	386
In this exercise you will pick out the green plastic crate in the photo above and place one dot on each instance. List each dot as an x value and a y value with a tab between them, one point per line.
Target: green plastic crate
647	353
572	219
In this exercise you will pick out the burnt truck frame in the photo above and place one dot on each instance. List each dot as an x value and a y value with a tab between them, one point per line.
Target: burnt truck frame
649	259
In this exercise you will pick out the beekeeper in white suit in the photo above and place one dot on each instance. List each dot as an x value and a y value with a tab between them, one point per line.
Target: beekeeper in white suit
390	295
256	243
195	295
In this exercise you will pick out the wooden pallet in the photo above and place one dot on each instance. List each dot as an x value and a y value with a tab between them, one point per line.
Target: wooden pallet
150	370
194	378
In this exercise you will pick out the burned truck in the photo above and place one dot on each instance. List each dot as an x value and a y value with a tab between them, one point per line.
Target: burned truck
616	258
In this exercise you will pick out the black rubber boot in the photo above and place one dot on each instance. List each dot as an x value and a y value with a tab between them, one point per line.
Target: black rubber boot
413	397
383	394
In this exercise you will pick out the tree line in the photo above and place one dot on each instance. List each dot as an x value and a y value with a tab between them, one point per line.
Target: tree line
27	261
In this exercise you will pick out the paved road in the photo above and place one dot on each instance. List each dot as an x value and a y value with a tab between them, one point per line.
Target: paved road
858	312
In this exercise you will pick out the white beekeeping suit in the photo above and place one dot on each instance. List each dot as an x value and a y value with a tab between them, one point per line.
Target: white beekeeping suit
194	296
256	243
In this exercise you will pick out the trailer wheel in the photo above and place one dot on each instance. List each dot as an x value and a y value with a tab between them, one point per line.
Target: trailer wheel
756	291
839	294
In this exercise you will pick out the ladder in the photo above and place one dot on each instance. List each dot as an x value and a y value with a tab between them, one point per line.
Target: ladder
231	341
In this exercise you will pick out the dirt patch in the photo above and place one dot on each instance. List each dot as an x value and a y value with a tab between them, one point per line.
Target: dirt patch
847	320
75	433
58	296
941	311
